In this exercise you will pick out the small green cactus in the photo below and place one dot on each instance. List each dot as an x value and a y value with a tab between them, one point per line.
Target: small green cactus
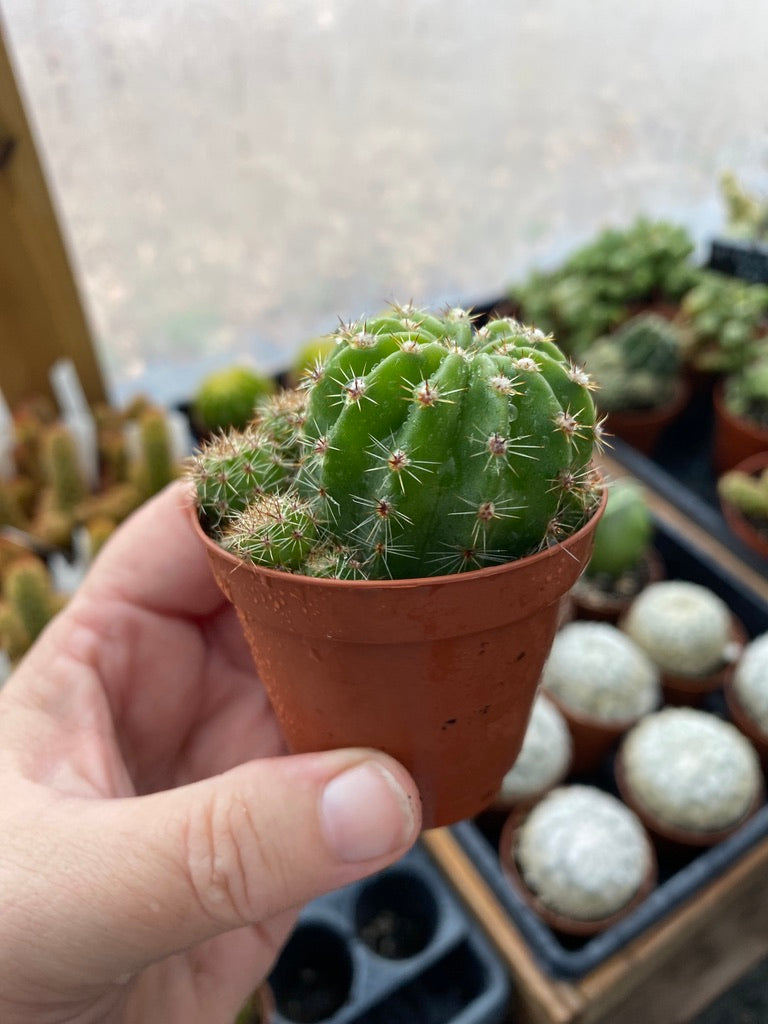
313	353
155	466
720	321
637	367
624	533
28	594
63	474
421	447
749	494
228	397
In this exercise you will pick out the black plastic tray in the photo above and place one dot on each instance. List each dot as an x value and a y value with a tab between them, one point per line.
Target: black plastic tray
679	877
398	948
746	260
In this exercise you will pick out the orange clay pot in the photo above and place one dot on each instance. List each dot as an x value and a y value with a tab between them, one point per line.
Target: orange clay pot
736	439
439	672
642	428
559	922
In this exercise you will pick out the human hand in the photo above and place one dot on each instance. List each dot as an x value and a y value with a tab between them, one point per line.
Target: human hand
154	842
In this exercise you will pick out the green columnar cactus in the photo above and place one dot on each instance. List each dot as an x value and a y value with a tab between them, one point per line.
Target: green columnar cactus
27	592
636	367
426	447
624	533
156	466
720	320
228	397
63	474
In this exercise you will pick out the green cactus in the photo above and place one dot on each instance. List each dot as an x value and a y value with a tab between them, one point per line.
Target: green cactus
745	392
227	397
636	367
155	467
624	533
63	474
426	447
28	594
749	494
720	320
596	286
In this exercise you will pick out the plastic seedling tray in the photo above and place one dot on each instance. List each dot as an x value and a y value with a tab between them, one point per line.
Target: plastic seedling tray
395	949
743	259
680	876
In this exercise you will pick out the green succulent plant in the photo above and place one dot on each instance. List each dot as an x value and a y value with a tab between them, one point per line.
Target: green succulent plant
592	292
720	320
421	446
747	215
624	532
227	398
28	604
636	367
747	493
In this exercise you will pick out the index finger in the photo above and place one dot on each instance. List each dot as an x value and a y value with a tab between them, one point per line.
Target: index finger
155	560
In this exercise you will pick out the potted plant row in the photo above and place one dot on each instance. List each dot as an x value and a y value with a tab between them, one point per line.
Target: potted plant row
397	534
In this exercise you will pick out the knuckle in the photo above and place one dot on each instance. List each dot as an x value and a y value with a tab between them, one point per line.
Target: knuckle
226	857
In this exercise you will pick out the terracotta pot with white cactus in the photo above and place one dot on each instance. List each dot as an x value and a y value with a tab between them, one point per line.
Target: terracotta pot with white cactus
397	534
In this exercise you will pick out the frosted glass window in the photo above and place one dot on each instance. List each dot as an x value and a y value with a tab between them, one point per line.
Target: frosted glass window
233	175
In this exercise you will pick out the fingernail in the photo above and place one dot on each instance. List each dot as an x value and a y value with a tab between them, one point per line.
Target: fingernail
366	813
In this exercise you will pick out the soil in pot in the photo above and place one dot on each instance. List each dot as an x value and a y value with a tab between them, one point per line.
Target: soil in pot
439	672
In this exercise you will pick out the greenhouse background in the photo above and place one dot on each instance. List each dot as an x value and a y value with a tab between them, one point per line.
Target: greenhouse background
234	177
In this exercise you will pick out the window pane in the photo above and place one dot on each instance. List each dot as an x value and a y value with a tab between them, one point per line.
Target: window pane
233	176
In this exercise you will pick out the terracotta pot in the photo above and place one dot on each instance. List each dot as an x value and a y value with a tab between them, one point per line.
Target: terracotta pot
593	738
673	837
690	691
439	672
642	428
745	723
736	439
559	922
595	605
745	530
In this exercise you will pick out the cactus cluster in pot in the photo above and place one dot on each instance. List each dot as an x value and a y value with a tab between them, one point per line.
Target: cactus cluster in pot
421	446
638	366
748	493
745	391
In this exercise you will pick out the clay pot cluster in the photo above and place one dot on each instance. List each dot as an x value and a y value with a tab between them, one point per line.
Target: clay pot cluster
686	778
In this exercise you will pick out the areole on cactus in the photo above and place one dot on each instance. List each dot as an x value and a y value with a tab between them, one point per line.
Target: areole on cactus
421	446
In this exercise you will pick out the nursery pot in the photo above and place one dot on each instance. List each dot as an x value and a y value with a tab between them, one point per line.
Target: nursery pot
736	439
642	428
439	672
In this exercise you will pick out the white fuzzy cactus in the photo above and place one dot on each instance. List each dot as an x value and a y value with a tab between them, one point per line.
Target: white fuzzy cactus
683	627
583	853
594	669
544	757
690	769
750	681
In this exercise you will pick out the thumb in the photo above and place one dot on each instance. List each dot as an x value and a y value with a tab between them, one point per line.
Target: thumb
169	870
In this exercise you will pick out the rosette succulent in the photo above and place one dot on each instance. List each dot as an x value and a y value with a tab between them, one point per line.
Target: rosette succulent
420	446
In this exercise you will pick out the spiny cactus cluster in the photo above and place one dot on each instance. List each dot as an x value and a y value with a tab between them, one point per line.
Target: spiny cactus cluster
421	446
637	366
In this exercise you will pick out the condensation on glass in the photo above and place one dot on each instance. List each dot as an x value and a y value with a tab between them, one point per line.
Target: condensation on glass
234	176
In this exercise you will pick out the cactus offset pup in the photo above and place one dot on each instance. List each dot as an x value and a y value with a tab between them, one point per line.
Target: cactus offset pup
419	447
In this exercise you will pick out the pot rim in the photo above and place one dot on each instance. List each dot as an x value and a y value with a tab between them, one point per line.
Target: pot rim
450	579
